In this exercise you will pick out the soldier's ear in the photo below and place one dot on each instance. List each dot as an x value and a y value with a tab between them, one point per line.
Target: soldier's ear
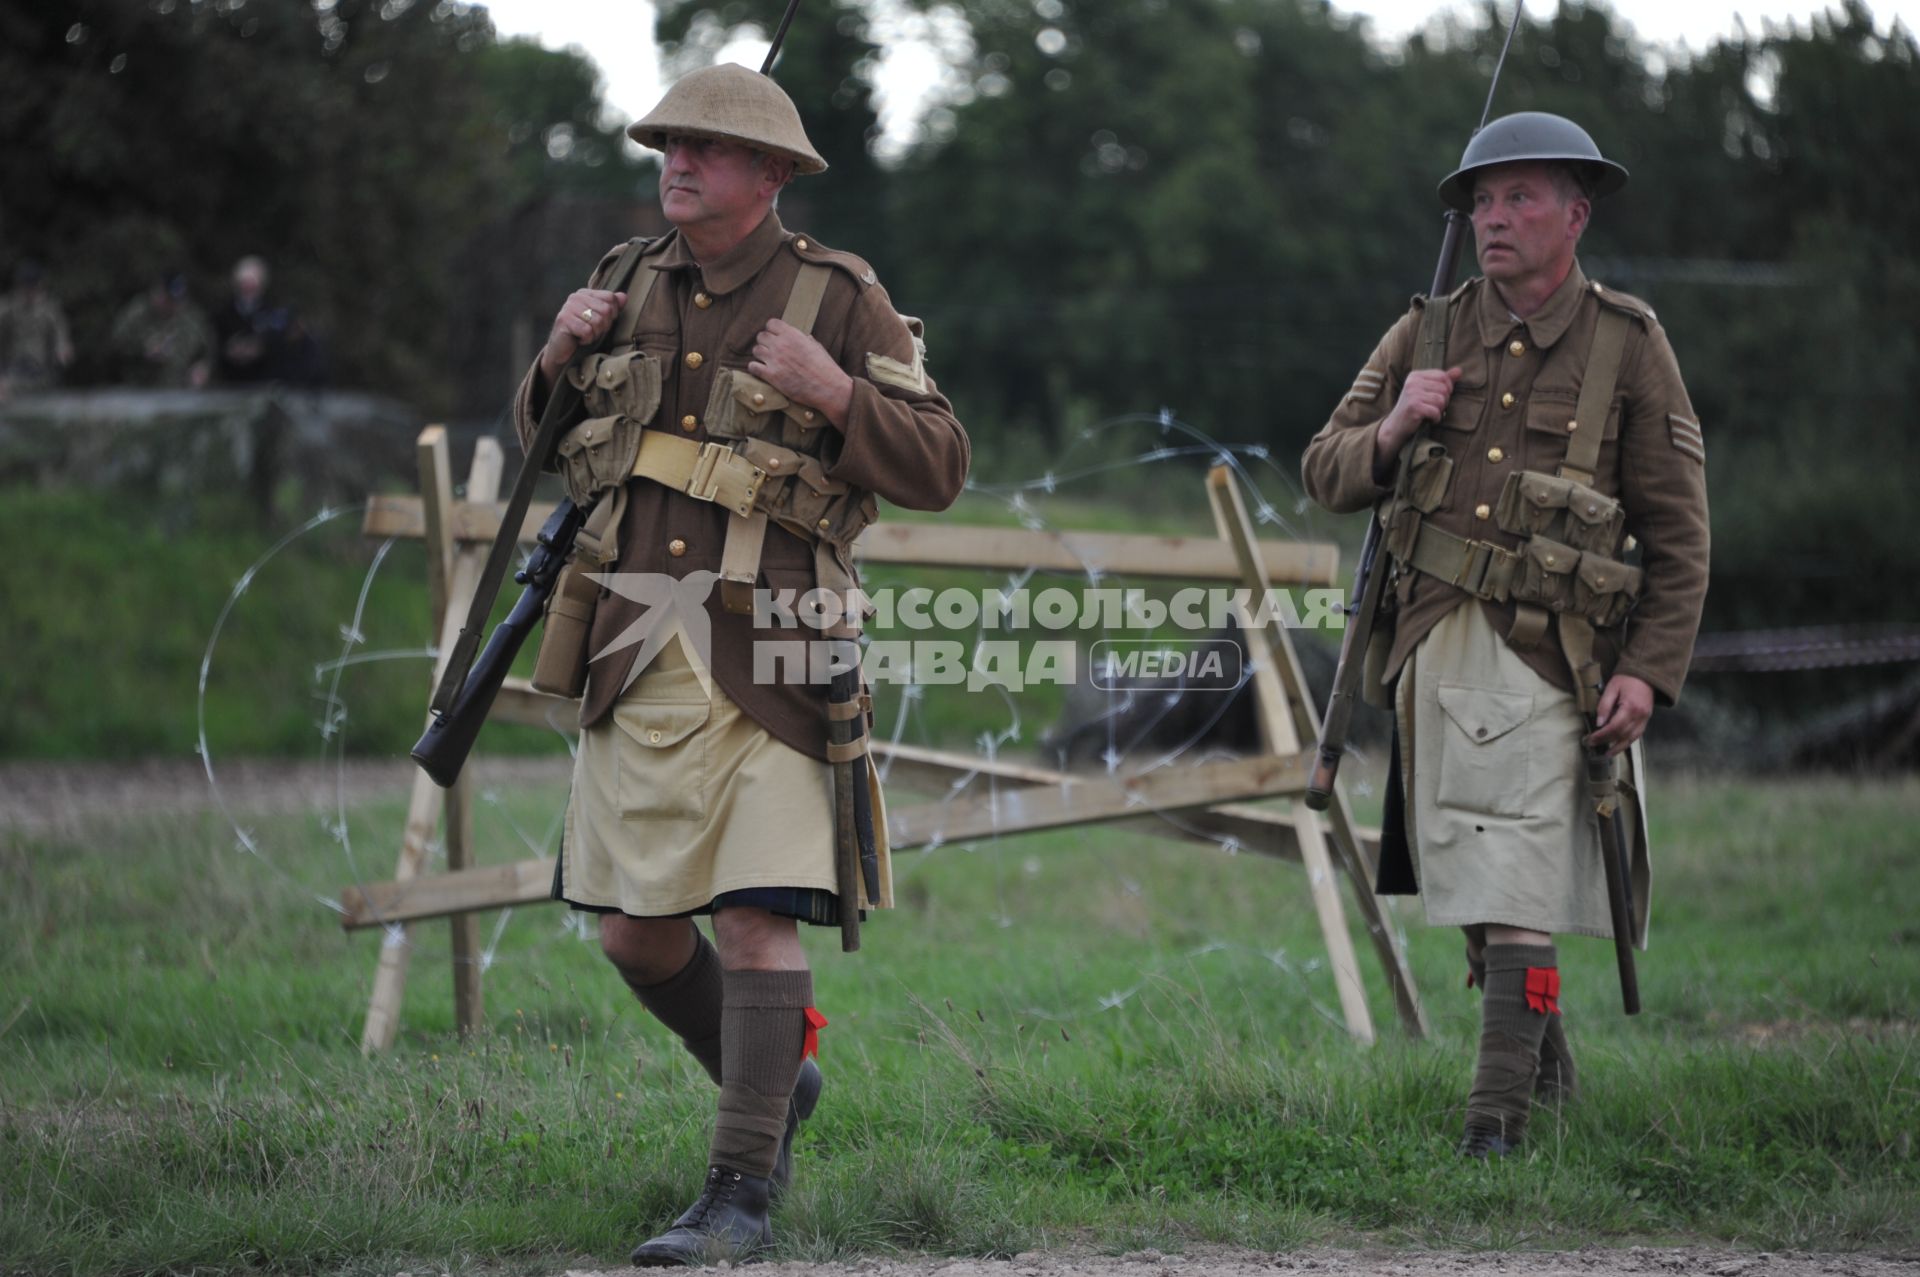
1580	213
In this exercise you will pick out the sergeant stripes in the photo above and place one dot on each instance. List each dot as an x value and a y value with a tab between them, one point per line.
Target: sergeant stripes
1366	385
1686	437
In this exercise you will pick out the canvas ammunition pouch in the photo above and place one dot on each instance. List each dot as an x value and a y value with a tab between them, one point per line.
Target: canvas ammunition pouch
1567	562
560	668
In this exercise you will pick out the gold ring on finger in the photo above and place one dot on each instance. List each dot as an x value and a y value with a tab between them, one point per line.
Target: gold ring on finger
587	313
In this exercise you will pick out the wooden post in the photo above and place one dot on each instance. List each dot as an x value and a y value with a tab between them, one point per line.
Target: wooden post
1287	710
483	484
453	572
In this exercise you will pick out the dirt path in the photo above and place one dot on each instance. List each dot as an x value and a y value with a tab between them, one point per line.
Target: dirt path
61	799
1594	1262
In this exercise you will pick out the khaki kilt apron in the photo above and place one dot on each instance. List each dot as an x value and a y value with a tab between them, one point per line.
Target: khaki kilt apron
1497	813
679	796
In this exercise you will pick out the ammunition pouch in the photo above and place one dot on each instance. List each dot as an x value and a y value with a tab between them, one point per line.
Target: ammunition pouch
560	669
622	392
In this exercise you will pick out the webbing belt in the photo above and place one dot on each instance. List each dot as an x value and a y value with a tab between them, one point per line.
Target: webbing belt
704	471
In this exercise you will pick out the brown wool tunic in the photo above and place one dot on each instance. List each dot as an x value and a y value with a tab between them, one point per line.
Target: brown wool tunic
902	444
1519	384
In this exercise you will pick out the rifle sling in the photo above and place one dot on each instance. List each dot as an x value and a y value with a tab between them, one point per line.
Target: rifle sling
554	419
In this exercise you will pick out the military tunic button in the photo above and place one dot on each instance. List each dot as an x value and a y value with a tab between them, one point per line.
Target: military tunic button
1496	456
689	423
1551	560
1482	511
823	525
695	359
1507	400
808	414
676	547
702	300
654	736
773	463
801	242
1572	426
758	400
1517	348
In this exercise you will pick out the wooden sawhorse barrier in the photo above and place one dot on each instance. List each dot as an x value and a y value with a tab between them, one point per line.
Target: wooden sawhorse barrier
1213	799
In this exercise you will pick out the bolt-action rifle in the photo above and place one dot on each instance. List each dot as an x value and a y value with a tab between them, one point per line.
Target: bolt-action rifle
1369	578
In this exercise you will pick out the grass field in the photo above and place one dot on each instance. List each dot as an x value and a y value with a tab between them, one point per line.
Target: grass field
1087	1038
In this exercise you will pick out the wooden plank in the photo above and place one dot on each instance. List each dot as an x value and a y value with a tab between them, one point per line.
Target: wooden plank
436	481
519	882
1086	801
1111	553
956	545
390	974
483	484
517	702
1352	852
1277	728
1267	830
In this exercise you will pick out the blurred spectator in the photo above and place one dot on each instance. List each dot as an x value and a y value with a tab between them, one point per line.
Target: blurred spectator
161	338
34	341
259	342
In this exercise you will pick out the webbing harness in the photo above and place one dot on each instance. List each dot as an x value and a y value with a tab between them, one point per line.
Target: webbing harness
1486	569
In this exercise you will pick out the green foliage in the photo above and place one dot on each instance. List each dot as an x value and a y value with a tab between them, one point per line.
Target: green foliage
135	595
1088	1038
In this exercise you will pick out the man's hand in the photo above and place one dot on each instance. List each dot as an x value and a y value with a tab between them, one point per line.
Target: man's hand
1423	398
1625	706
800	368
584	318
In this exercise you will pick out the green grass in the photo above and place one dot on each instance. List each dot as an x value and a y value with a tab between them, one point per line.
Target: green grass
1086	1038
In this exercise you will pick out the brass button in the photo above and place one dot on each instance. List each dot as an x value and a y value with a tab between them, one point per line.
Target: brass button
702	300
823	525
808	414
1572	426
1507	400
1517	348
654	736
1496	456
695	359
773	463
689	423
676	547
801	242
1552	560
759	399
1482	511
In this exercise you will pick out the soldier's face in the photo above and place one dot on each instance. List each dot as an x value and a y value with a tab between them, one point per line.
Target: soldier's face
1525	227
707	181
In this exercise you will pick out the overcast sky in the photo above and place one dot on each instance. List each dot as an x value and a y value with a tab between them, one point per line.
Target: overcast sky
619	37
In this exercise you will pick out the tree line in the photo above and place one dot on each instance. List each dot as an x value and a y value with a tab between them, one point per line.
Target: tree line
1212	205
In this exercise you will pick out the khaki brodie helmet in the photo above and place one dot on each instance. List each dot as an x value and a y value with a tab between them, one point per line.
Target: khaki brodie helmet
1536	137
733	104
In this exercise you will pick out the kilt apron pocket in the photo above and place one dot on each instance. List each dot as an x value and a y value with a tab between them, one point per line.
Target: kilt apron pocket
1484	757
662	759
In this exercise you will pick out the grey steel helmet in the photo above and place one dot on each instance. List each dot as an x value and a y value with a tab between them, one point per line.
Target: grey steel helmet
1535	136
